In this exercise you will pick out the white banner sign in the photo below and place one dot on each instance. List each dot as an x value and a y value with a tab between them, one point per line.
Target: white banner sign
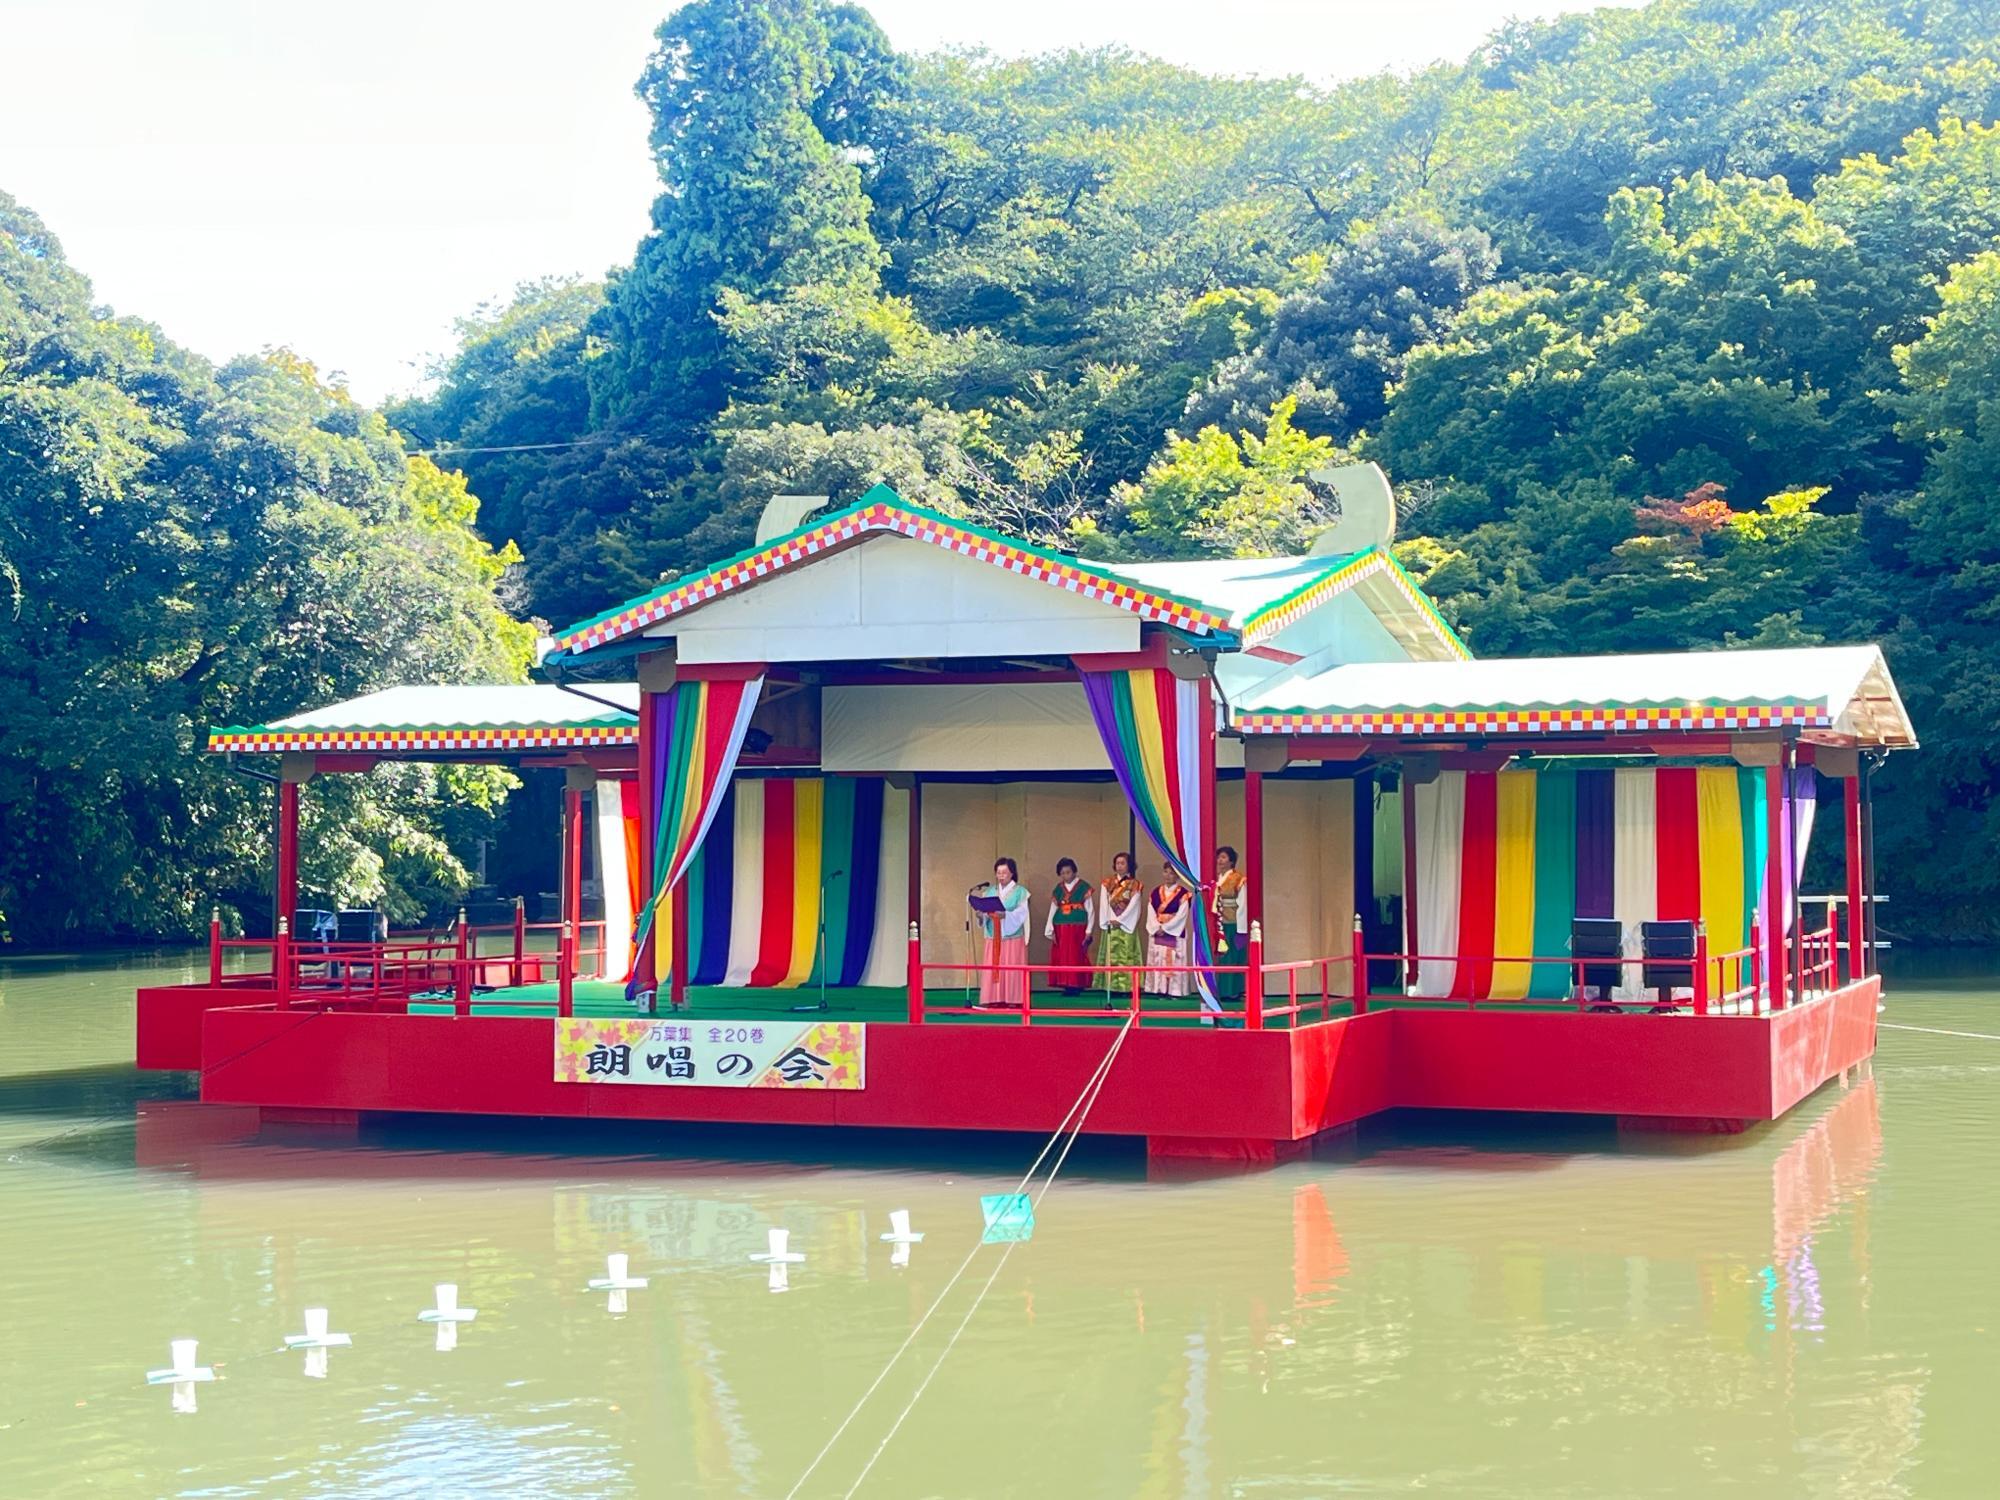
711	1054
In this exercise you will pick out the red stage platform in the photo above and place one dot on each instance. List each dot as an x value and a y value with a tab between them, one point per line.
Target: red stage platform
1190	1092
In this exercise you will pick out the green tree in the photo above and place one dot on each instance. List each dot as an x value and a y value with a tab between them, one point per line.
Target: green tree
188	547
754	200
1336	346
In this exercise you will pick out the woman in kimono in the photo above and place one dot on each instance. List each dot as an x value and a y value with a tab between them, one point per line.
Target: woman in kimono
1068	928
1120	899
1006	933
1230	907
1167	916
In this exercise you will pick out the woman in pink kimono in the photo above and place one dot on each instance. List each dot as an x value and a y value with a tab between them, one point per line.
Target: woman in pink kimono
1006	933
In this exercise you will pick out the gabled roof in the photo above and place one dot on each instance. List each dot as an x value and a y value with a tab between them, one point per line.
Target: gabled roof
1238	602
1263	595
1845	690
449	717
881	511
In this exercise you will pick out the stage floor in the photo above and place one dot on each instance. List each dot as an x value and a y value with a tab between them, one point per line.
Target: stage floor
597	998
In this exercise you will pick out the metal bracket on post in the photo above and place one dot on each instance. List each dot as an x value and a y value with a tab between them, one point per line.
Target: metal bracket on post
281	963
462	978
1358	962
1253	983
1701	985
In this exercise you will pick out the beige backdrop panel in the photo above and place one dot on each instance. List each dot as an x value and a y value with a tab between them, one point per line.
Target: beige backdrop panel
1308	905
967	826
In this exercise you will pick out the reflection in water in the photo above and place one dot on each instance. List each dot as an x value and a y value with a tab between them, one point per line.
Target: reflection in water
1469	1305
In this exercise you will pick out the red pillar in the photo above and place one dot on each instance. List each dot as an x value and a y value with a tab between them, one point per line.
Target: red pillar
916	896
1409	792
572	881
1795	869
649	804
1857	904
287	892
1774	885
1253	872
1205	872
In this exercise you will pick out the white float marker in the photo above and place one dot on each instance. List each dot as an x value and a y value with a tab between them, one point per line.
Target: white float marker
183	1373
779	1254
183	1370
316	1341
316	1336
618	1276
618	1280
447	1309
899	1235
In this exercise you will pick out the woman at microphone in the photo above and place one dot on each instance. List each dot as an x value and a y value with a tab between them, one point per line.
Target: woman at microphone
1002	908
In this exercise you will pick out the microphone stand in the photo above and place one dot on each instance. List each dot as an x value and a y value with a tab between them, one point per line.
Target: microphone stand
821	965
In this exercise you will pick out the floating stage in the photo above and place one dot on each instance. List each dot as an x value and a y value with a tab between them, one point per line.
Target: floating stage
1379	873
1187	1089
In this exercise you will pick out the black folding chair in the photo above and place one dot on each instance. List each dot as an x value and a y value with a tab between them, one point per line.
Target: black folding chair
1597	937
1669	940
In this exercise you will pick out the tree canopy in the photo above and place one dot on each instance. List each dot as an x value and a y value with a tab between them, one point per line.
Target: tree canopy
1673	326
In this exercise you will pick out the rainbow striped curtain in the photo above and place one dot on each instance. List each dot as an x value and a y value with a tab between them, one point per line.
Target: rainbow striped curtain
697	735
1151	725
1506	860
782	847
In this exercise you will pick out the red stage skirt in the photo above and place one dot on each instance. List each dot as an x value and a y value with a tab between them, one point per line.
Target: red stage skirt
1069	948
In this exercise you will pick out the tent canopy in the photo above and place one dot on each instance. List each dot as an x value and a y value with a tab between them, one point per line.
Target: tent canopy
450	716
1844	692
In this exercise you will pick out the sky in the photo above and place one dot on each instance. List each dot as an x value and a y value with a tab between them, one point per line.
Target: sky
346	180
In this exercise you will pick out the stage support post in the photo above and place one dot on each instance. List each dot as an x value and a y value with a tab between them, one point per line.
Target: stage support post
1253	900
1794	873
461	978
1410	949
1205	876
286	896
1774	884
215	945
916	891
916	973
1857	900
1358	962
520	939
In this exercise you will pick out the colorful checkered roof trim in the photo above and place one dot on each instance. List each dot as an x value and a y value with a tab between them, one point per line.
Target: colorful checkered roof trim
882	510
263	741
1261	625
1604	719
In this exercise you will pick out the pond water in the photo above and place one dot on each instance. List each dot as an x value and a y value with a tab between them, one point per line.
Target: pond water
1464	1305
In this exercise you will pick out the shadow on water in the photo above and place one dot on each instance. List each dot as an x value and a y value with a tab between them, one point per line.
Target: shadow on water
1493	1141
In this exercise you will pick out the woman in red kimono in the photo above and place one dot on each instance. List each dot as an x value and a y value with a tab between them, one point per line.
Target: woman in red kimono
1068	928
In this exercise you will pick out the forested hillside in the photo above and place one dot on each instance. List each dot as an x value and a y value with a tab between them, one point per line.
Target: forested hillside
1676	326
183	546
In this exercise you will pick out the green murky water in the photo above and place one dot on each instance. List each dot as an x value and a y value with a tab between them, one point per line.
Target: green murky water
1457	1306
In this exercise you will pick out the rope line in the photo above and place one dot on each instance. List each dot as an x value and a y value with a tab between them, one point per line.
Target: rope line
1984	1036
1089	1092
1104	1071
